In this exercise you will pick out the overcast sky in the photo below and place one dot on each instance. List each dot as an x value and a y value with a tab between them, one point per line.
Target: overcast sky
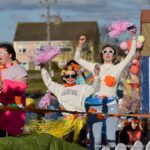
103	11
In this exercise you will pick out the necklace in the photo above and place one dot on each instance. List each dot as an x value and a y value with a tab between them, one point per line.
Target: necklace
2	67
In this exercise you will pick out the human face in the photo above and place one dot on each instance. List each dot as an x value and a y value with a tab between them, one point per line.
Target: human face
108	55
134	124
70	77
5	57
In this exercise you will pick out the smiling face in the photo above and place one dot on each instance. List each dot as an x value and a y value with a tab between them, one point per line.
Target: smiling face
70	77
108	54
5	57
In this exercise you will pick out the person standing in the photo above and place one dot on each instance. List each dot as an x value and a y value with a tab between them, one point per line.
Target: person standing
71	97
13	82
106	97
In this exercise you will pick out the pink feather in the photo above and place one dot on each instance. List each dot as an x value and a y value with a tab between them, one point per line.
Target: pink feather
44	55
118	27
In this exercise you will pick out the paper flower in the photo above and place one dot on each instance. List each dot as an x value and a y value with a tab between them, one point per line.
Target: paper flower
110	80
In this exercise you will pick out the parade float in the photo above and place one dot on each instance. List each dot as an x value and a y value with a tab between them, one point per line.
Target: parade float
129	103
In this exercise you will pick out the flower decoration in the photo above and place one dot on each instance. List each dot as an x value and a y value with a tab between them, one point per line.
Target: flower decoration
63	72
70	68
75	66
110	80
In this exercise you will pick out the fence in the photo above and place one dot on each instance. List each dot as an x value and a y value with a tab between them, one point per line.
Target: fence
137	146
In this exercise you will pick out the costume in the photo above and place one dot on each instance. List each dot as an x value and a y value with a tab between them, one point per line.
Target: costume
109	76
130	135
12	121
71	98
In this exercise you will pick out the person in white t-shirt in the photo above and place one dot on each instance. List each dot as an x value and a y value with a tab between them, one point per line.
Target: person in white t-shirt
13	83
106	97
71	97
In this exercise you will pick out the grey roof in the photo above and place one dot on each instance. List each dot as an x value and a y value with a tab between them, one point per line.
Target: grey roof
36	31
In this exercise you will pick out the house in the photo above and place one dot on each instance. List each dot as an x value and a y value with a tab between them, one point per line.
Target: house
32	35
145	31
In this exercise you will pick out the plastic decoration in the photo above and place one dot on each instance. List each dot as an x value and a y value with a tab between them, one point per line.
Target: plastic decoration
141	38
45	100
116	28
44	55
123	45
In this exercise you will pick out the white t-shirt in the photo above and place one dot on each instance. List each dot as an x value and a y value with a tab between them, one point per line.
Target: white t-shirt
14	72
71	98
108	69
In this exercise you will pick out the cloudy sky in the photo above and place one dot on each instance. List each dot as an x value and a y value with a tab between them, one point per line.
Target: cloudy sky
103	11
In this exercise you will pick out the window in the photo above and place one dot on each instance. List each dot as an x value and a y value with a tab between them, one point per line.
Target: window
65	49
22	50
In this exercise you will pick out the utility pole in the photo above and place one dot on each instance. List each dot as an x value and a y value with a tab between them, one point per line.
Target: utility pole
47	5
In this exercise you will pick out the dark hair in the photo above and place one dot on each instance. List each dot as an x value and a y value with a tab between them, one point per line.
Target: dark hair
9	48
108	45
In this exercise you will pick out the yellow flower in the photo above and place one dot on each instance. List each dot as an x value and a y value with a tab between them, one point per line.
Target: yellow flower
63	72
69	68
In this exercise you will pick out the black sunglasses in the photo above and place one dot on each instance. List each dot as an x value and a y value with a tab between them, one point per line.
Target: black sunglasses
70	76
107	51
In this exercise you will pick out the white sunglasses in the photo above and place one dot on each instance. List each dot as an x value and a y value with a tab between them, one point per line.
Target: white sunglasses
108	51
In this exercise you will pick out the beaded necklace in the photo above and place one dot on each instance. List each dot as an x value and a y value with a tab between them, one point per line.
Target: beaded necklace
2	67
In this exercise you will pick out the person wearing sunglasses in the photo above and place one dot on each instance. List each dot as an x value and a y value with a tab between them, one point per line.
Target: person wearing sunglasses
71	97
106	97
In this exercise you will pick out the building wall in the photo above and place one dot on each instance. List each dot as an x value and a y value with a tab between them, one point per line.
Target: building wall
26	48
145	31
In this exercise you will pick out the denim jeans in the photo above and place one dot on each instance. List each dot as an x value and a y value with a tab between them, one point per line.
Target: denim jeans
103	132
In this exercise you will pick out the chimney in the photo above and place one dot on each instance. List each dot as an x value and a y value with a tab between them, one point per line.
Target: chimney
57	20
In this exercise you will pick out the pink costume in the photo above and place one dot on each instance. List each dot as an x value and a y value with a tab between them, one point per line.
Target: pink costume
12	121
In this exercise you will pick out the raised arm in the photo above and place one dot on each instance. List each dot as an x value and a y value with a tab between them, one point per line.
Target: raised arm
132	51
87	65
130	55
51	85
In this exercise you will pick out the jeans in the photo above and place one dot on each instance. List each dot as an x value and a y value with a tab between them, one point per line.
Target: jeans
103	132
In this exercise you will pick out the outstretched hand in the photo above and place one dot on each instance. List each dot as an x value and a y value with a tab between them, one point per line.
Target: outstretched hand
42	65
96	70
132	29
82	41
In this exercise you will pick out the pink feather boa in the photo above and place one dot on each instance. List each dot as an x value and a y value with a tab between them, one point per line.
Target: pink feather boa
44	55
116	28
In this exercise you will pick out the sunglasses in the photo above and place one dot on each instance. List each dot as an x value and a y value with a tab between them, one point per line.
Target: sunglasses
70	76
108	51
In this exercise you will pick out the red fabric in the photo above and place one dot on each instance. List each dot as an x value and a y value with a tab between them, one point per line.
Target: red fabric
12	121
134	136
